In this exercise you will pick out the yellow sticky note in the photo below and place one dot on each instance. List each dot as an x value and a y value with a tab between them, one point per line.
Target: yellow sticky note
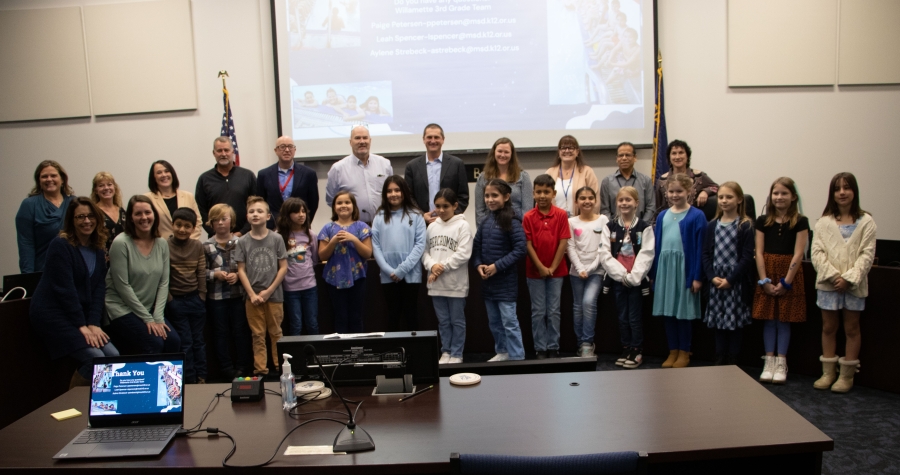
67	414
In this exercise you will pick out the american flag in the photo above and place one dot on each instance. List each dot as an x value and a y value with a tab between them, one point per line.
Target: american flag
228	126
660	138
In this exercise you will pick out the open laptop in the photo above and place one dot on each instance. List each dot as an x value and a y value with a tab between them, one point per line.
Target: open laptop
136	407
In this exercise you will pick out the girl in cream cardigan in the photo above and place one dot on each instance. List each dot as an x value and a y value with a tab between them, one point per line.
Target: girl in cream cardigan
843	248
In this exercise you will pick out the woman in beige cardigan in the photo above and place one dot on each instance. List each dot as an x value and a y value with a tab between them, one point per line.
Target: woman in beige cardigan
166	197
571	174
843	249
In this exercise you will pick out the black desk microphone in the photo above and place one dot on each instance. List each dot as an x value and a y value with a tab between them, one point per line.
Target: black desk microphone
351	438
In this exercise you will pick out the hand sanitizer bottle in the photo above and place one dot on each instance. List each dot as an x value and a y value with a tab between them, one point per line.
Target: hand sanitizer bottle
288	399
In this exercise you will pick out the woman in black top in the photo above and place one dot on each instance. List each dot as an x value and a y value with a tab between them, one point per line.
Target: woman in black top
106	194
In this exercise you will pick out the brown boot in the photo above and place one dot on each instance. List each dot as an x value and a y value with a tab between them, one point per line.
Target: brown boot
845	381
829	373
673	355
78	380
684	359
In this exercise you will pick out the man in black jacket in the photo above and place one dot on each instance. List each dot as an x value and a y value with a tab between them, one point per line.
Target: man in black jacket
225	183
286	179
427	174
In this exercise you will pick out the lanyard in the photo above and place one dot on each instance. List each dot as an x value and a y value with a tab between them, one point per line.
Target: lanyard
288	180
563	180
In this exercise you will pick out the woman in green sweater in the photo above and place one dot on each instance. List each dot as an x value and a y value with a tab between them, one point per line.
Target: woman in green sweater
137	284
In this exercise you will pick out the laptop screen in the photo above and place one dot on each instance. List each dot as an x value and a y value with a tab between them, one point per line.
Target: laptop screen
136	388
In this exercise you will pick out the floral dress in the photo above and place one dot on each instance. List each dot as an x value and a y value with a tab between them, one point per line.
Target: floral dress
345	264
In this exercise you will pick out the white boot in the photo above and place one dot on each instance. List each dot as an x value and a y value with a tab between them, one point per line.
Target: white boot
829	373
768	370
845	382
781	369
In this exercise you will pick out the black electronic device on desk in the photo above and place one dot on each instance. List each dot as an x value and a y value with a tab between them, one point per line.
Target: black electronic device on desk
364	358
247	389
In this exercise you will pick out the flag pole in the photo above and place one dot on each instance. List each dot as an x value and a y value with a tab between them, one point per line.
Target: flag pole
224	74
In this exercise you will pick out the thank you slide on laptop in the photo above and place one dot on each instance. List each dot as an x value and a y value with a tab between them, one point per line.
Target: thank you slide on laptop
135	408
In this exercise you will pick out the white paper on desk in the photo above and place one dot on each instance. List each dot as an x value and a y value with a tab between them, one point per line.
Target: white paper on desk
311	450
336	336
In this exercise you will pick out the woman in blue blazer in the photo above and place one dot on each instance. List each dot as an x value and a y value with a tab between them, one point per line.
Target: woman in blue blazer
68	301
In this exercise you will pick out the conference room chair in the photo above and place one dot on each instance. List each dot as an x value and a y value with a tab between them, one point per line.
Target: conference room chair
586	464
709	209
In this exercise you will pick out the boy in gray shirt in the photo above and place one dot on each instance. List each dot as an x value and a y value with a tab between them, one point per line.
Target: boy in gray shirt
262	265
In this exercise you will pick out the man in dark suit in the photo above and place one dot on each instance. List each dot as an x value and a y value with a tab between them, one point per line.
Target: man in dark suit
435	170
286	179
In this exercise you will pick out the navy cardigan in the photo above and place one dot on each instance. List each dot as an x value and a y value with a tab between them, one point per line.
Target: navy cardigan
746	243
503	249
67	298
693	233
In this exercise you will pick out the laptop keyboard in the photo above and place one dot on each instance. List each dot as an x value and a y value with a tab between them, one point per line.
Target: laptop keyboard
135	434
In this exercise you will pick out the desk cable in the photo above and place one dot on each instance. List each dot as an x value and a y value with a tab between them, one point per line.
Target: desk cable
294	415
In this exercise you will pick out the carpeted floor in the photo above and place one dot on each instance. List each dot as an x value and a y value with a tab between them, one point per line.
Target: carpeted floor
864	423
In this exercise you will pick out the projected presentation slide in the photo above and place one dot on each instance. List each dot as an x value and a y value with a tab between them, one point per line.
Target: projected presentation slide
472	65
136	388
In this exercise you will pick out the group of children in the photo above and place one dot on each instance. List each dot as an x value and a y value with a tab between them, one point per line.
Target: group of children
257	279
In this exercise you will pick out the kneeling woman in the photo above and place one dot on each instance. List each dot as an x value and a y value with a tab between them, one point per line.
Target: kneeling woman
68	301
137	284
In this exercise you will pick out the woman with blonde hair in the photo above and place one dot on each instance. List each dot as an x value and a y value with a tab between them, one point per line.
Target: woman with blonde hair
107	195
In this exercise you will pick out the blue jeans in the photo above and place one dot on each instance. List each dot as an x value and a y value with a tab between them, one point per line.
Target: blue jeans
230	316
584	306
301	309
504	326
188	314
451	324
628	305
85	358
130	335
545	312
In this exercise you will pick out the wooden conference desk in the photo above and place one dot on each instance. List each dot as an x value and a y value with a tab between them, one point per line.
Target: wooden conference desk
694	420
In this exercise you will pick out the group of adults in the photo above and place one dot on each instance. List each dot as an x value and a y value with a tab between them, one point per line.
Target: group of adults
119	270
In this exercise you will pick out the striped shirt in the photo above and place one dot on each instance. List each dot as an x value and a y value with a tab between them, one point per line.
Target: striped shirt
187	267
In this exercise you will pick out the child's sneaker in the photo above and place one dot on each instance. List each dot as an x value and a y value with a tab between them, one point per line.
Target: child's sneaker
499	357
635	358
621	360
445	358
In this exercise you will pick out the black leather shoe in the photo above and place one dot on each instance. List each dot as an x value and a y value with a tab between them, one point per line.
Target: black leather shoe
541	355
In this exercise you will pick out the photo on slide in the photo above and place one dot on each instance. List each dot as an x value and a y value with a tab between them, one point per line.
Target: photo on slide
168	393
104	407
329	110
594	52
321	24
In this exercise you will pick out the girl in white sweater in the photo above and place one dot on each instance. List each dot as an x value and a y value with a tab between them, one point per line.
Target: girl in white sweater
843	249
585	273
448	248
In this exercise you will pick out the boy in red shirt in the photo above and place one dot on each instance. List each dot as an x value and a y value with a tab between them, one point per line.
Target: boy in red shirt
547	231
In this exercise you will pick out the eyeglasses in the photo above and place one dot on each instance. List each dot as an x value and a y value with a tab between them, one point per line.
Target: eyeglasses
566	148
85	217
282	148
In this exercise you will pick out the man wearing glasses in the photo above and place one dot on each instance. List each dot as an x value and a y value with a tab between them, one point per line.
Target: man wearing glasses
285	179
626	175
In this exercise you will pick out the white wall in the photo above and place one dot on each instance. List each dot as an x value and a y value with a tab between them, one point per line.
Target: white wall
752	136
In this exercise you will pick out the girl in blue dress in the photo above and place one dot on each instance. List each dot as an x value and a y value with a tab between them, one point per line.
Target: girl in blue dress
345	243
677	269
